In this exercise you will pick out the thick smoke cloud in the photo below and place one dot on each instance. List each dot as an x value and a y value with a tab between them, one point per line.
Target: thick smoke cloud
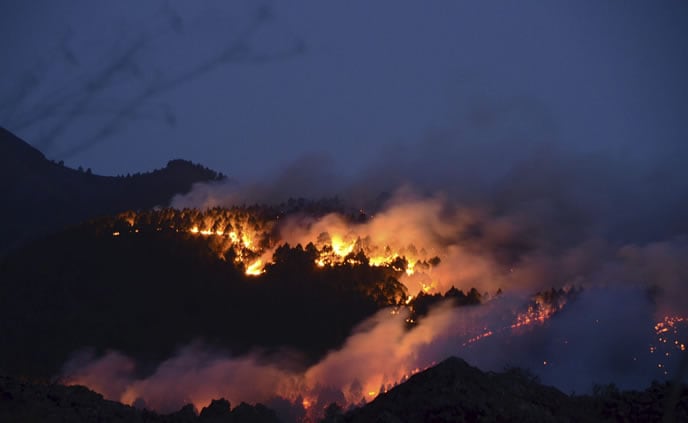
548	236
602	337
504	156
504	200
503	207
378	354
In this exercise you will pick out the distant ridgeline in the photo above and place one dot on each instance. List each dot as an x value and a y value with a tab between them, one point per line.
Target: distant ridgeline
40	196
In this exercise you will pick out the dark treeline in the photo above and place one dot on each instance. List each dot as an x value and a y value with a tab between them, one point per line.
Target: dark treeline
225	219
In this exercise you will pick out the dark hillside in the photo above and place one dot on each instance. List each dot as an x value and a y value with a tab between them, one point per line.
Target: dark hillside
40	196
21	401
147	293
454	391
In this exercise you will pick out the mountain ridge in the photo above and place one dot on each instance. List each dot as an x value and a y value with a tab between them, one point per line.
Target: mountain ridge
41	196
453	390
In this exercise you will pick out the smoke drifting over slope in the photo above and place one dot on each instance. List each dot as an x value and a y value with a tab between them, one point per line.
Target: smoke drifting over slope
497	218
601	339
505	206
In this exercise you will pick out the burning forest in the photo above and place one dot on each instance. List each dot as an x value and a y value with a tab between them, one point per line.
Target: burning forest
352	215
440	281
303	304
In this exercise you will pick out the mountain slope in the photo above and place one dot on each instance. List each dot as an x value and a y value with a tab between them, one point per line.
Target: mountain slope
455	391
40	196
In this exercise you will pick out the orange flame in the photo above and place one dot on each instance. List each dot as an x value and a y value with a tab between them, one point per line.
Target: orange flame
249	237
255	268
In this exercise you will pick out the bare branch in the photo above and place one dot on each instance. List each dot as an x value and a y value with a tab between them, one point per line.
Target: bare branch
61	109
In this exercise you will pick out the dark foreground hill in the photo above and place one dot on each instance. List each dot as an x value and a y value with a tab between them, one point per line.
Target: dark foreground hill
455	391
46	403
452	391
40	196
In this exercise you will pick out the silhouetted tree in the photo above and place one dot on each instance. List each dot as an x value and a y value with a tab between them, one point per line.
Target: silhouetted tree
333	413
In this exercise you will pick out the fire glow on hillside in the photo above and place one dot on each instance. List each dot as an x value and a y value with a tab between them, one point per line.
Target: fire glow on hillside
253	241
427	248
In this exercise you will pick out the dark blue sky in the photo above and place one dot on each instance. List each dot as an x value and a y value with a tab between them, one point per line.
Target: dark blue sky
504	78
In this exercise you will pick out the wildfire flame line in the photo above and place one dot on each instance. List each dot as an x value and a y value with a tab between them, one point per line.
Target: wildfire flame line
253	241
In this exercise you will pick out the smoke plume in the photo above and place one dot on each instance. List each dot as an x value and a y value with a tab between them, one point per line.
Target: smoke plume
507	214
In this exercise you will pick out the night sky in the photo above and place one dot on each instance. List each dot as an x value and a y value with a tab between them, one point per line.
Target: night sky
341	82
524	145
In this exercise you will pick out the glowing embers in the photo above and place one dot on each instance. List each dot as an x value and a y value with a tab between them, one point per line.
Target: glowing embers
535	314
479	337
672	333
542	307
